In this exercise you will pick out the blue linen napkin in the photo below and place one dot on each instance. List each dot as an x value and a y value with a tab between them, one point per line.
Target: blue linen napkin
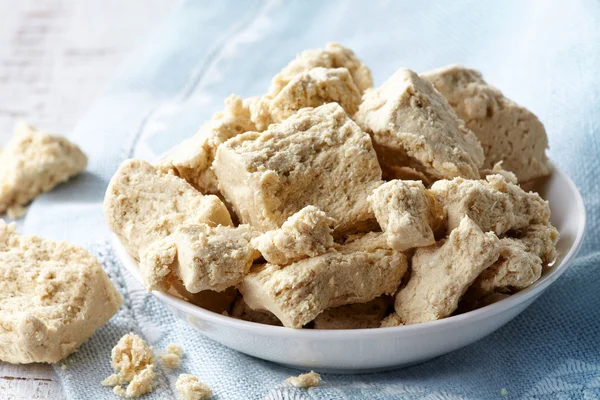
544	56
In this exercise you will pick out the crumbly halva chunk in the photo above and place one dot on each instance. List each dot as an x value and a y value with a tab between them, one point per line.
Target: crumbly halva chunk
53	296
190	388
412	125
200	256
143	205
520	264
494	203
134	361
507	131
406	213
297	293
34	162
305	381
333	55
191	160
540	239
241	311
516	269
316	157
307	233
442	273
312	88
354	316
391	320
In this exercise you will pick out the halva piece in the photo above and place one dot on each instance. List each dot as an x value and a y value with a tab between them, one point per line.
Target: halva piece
316	157
307	233
34	162
507	131
412	125
312	88
305	381
334	55
190	388
297	293
520	264
201	256
406	213
494	203
134	361
539	239
516	269
441	273
53	296
143	205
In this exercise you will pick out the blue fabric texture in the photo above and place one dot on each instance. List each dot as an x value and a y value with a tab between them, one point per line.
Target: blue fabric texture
544	56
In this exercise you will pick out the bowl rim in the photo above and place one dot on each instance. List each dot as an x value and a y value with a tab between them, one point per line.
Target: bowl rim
404	330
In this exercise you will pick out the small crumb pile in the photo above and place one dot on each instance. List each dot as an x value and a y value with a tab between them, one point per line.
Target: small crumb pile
172	358
134	360
190	388
305	381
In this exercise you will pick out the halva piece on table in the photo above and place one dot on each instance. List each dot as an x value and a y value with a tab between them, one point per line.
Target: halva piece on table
354	316
316	157
334	55
34	162
299	292
412	125
494	203
134	361
406	213
441	273
311	88
201	256
307	233
305	381
507	131
190	388
53	296
191	159
143	205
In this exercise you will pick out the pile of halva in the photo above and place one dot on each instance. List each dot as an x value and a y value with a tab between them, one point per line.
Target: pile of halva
328	203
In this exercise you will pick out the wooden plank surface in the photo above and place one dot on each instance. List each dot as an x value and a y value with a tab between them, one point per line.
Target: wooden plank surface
56	56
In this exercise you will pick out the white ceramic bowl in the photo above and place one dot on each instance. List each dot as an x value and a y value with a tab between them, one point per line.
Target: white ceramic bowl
367	350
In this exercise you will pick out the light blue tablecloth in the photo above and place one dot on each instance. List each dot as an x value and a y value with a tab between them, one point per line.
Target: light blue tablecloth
545	55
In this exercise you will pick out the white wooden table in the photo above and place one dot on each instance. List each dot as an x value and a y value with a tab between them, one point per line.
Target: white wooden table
55	57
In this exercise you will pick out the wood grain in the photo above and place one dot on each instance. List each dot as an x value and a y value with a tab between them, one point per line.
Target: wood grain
56	56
